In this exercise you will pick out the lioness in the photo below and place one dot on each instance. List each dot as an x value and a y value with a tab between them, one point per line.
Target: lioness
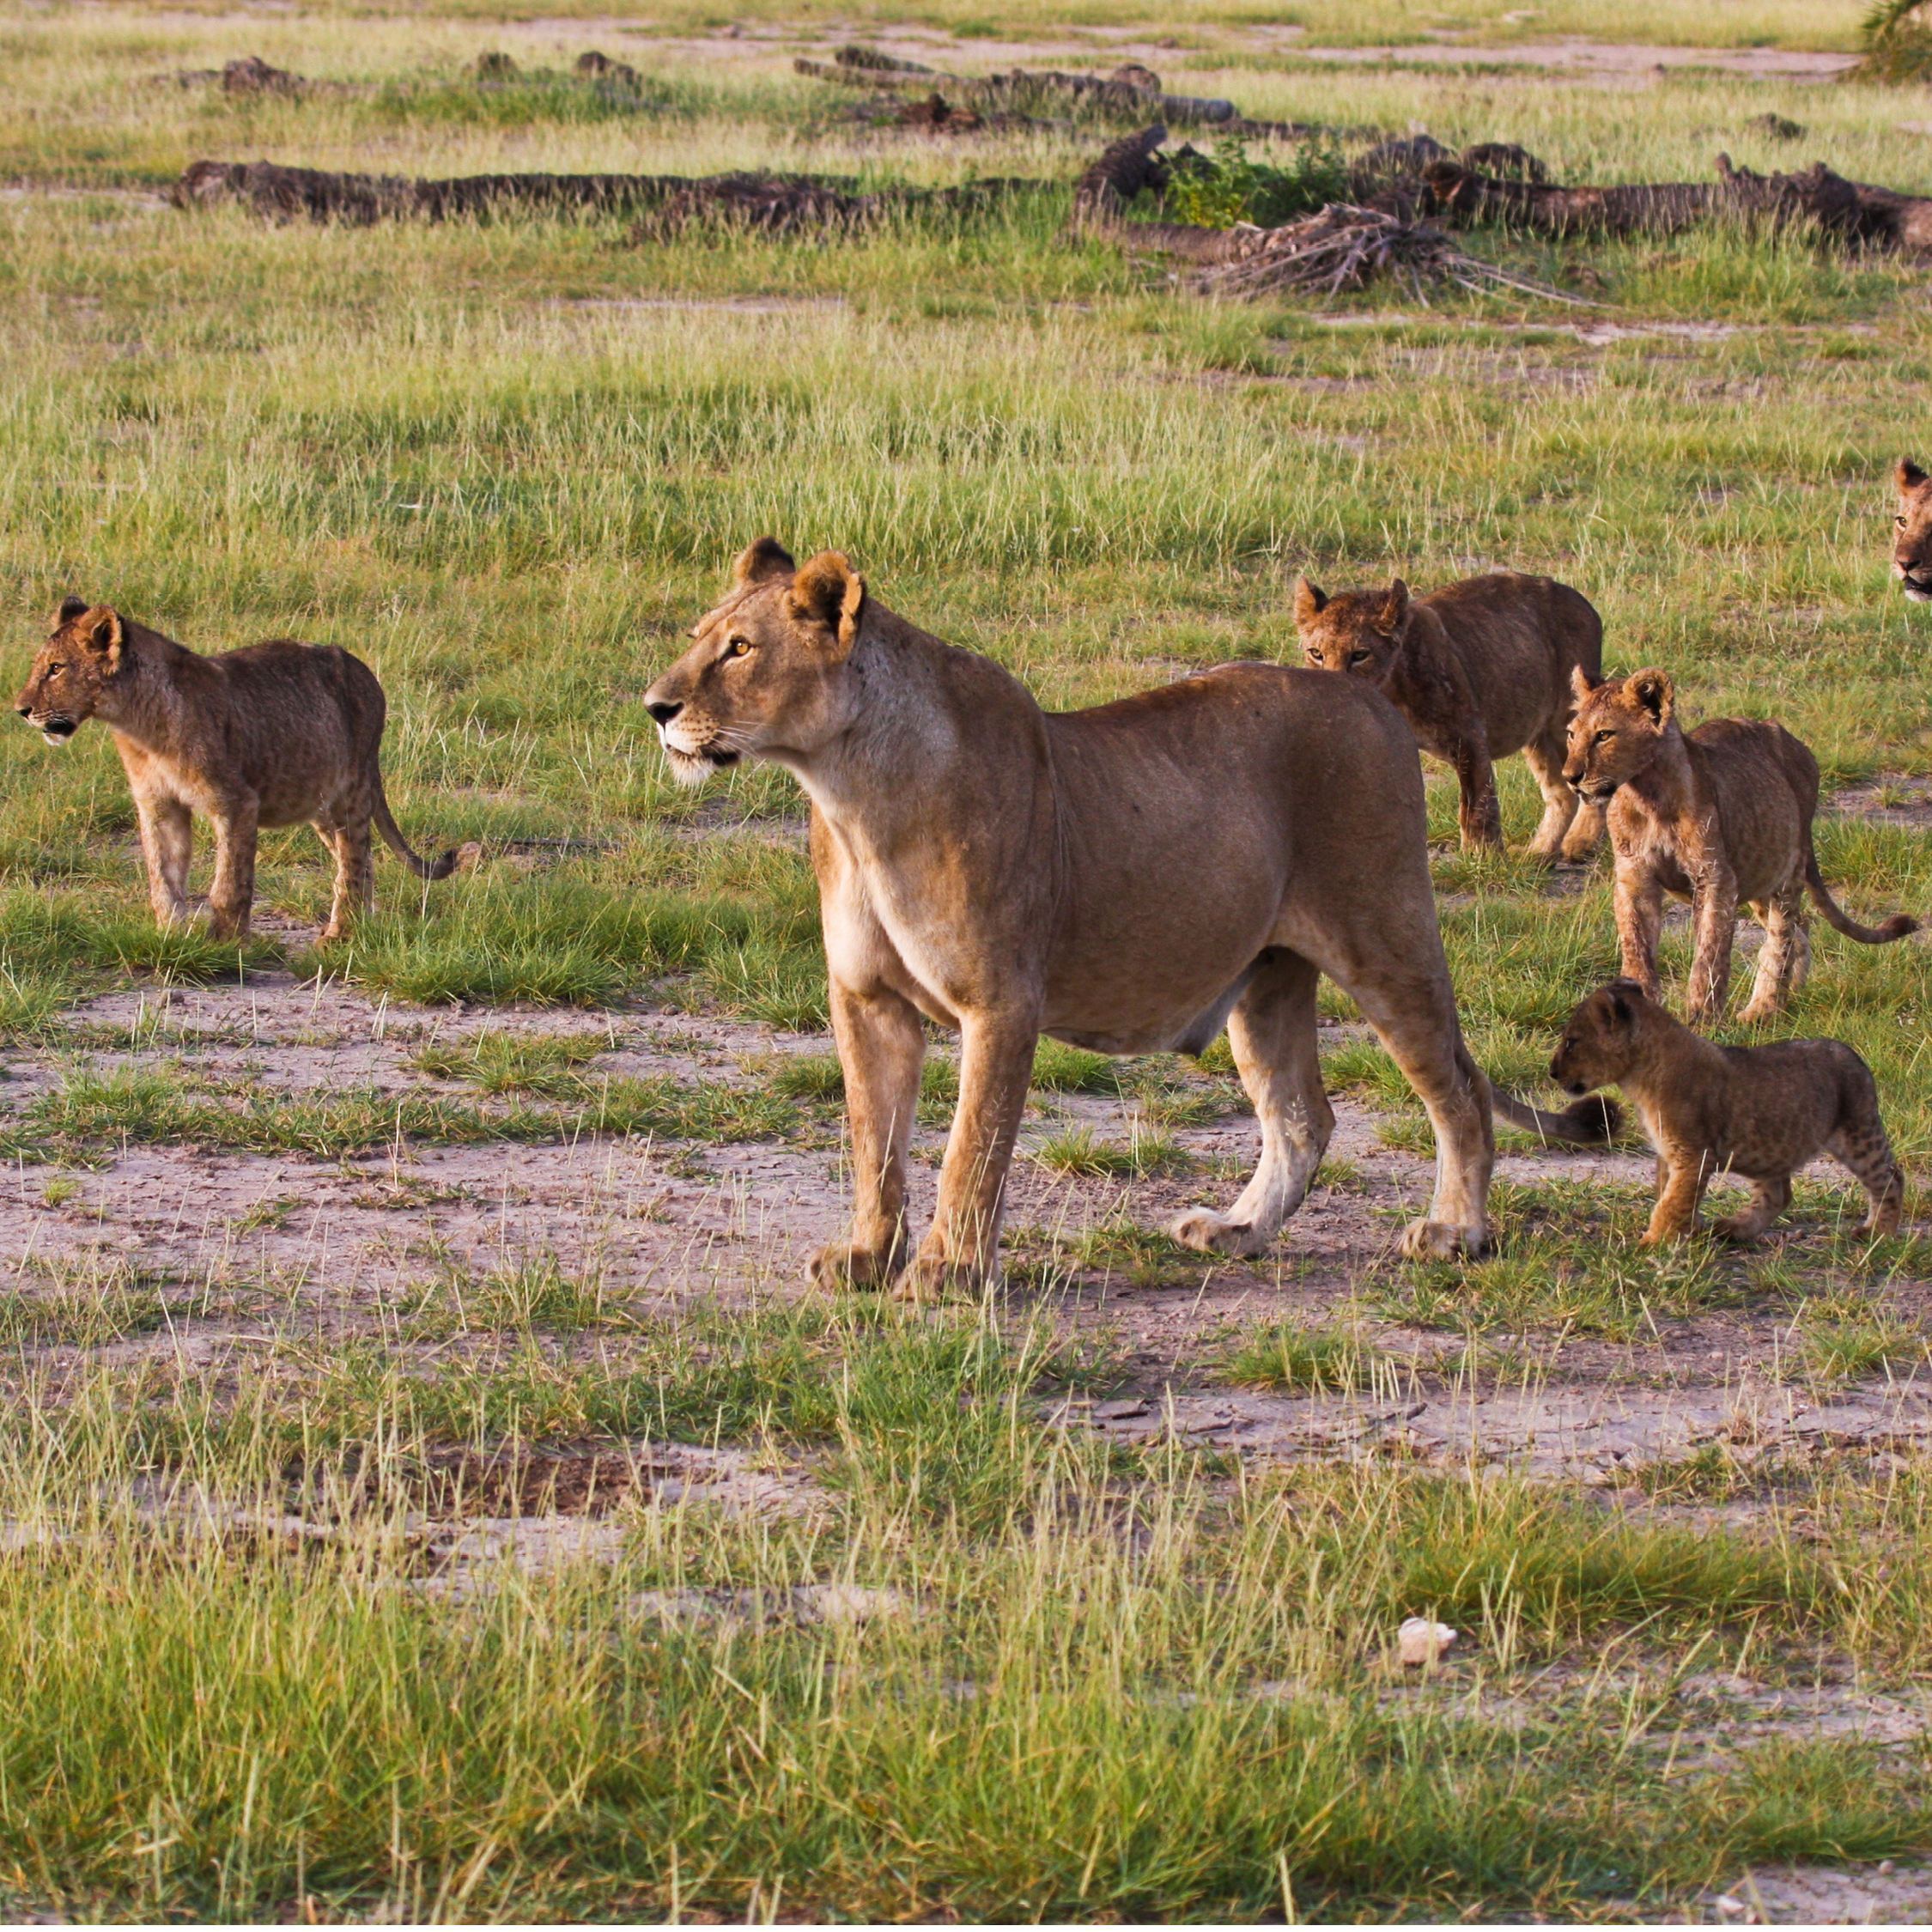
279	733
1719	817
1762	1112
1480	670
1129	878
1911	548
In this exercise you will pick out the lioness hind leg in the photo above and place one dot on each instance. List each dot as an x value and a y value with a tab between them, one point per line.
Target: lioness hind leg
1272	1032
1769	1199
1414	1017
354	878
1862	1146
1785	955
1558	836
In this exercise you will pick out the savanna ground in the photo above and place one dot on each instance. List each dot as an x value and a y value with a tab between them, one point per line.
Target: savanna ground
425	1488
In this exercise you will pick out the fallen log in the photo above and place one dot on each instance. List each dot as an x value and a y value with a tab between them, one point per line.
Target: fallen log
1023	90
771	203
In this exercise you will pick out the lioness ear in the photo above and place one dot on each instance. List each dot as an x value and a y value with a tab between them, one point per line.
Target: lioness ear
1394	609
1908	475
829	591
1309	601
104	634
1655	691
1582	683
766	559
70	608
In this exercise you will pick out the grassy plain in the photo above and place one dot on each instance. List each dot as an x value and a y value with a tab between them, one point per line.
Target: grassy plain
508	463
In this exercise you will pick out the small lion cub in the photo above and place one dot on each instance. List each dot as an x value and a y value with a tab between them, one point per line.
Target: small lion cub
1480	670
1720	816
1761	1112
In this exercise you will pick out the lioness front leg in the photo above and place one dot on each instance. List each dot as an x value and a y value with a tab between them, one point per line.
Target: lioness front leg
1714	918
1272	1032
961	1253
231	895
1481	811
1414	1014
1638	903
1682	1175
881	1045
167	844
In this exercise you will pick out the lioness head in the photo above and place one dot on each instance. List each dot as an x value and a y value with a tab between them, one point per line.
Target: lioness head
1600	1040
767	676
1911	543
1619	723
1357	631
76	665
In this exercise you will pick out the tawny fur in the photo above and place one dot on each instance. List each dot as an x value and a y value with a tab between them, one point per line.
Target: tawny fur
1759	1112
1911	541
1720	817
1129	879
279	733
1480	670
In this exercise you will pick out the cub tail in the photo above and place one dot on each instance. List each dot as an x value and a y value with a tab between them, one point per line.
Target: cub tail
393	837
1593	1121
1882	934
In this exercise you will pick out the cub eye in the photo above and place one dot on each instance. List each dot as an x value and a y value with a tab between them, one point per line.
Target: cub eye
1604	738
737	648
1900	521
53	668
1358	657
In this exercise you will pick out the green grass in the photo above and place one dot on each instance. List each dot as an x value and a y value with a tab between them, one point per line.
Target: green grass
507	464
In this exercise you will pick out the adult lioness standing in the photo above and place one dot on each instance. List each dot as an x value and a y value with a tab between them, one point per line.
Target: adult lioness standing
278	733
1129	879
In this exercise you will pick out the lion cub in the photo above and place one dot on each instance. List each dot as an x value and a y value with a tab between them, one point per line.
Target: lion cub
280	733
1720	817
1480	670
1761	1112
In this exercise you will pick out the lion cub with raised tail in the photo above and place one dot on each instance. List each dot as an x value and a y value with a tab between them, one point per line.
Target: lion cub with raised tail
1760	1112
279	733
1720	816
1480	670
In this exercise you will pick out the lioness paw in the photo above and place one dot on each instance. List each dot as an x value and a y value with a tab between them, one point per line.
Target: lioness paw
842	1265
1215	1234
934	1278
1441	1241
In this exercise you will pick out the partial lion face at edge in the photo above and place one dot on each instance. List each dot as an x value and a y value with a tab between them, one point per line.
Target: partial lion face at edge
1911	544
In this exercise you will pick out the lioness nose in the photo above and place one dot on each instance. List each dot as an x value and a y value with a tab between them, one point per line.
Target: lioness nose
663	714
26	711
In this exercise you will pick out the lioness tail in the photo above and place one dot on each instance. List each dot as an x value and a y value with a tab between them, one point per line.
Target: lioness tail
1593	1121
1896	927
393	837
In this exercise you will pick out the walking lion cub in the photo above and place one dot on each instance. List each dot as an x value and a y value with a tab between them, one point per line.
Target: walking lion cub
279	733
1480	670
1720	816
1760	1112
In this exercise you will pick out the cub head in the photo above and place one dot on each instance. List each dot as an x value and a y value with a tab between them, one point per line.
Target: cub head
1359	632
1618	725
1911	537
75	668
1601	1039
767	675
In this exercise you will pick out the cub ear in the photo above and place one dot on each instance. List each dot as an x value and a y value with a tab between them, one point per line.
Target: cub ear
1655	691
1907	474
1310	601
1582	683
1622	997
829	591
103	632
766	559
1394	609
70	608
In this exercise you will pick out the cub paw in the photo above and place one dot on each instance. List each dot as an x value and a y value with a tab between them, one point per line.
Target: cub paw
1215	1234
1441	1241
1737	1229
842	1265
934	1278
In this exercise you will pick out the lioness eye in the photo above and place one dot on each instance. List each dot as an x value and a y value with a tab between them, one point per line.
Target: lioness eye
1604	738
1900	521
52	668
1358	657
737	648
